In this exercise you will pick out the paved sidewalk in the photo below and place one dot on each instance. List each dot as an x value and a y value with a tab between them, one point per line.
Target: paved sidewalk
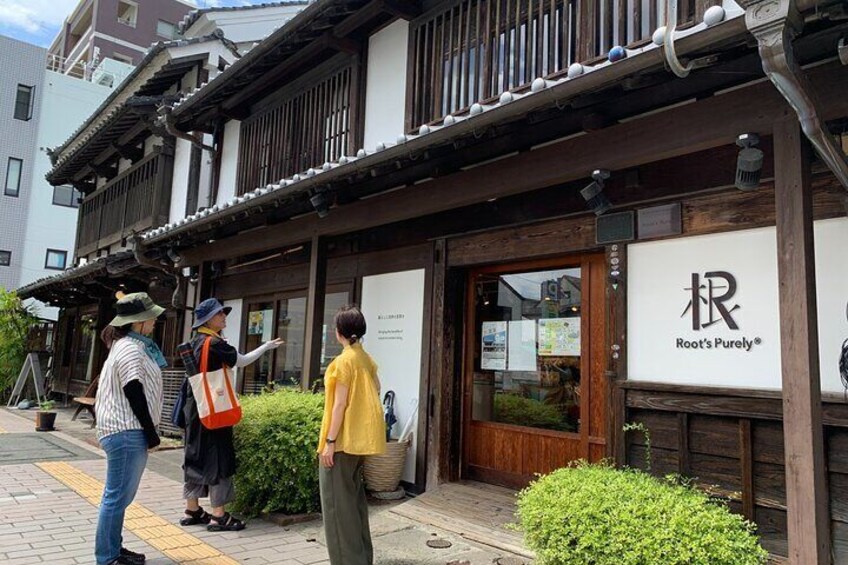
48	514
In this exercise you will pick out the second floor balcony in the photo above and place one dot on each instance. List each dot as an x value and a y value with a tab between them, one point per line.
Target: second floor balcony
137	199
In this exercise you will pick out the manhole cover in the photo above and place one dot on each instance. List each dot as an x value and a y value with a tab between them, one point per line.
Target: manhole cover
509	561
16	449
439	543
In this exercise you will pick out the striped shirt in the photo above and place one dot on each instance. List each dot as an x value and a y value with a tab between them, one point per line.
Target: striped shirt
127	362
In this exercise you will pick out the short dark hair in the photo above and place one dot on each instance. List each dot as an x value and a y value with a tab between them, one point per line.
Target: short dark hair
350	323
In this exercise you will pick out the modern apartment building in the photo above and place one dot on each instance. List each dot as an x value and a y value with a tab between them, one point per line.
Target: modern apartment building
121	30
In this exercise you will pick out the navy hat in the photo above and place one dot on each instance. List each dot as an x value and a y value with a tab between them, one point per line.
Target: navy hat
206	309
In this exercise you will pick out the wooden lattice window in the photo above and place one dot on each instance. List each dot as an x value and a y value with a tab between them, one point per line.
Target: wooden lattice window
472	50
308	128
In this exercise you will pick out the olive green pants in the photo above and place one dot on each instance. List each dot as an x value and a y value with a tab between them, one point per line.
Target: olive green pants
345	511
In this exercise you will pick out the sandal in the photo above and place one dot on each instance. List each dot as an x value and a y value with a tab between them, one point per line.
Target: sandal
225	523
196	517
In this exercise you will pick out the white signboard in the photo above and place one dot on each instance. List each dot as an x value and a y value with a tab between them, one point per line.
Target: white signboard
393	305
704	310
522	346
493	346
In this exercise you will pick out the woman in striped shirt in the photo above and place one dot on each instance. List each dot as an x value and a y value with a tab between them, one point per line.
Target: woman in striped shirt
128	409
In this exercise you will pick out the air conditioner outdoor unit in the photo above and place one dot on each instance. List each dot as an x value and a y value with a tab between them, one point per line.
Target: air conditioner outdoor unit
103	78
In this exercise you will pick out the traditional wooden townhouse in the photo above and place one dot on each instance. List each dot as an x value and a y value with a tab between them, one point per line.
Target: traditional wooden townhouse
559	217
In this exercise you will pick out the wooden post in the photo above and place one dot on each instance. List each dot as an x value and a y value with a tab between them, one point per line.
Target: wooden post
437	420
808	522
315	313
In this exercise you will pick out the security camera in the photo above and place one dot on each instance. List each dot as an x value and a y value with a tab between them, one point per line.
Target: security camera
749	163
594	195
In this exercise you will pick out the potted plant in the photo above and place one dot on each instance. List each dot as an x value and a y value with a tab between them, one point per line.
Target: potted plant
45	417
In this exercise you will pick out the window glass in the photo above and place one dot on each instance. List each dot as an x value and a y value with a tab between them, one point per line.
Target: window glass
330	346
84	354
23	102
291	328
66	195
56	259
13	177
528	349
5	258
260	320
166	29
127	13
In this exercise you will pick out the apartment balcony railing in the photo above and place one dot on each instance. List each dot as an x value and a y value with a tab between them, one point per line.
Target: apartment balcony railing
138	199
472	50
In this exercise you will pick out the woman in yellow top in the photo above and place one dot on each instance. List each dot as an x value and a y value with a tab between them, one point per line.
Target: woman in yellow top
353	427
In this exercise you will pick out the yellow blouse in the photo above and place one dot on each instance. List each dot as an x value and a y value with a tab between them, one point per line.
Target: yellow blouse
363	430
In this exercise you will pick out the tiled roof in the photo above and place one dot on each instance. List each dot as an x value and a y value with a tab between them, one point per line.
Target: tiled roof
98	119
69	276
540	92
195	15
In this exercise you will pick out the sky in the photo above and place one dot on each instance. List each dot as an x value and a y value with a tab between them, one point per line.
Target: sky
38	21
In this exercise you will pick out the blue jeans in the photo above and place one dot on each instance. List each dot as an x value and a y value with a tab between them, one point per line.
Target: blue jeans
126	457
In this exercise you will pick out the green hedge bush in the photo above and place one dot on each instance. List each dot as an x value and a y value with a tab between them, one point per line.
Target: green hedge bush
275	448
596	514
514	409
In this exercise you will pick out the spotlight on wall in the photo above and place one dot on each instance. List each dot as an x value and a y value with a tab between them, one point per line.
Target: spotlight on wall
749	164
321	204
594	195
173	255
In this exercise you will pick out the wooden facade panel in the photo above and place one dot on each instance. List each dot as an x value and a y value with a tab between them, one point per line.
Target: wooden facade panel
723	472
239	285
768	442
661	425
539	240
771	527
599	386
840	542
714	436
769	485
838	485
663	461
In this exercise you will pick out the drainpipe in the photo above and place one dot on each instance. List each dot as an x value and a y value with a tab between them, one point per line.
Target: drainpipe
775	23
177	299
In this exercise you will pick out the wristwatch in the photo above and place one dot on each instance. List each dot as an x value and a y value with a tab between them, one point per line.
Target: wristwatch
330	440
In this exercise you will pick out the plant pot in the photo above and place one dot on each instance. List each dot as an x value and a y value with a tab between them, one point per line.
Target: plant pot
382	472
44	421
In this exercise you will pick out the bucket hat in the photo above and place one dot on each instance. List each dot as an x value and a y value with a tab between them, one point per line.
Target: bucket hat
135	307
206	309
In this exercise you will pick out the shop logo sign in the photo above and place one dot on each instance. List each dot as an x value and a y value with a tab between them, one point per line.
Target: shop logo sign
707	294
711	304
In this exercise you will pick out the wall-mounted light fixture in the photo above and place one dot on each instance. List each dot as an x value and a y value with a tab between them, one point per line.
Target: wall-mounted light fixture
749	163
320	203
594	195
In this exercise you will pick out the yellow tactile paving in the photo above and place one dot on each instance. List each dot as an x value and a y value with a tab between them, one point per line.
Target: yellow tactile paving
145	524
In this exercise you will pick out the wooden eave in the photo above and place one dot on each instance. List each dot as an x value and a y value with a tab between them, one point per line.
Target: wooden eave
87	283
519	126
320	30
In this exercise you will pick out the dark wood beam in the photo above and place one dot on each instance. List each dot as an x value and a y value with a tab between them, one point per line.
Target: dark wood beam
405	9
616	148
316	293
807	516
129	152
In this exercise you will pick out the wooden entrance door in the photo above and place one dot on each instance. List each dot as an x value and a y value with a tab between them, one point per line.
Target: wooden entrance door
535	393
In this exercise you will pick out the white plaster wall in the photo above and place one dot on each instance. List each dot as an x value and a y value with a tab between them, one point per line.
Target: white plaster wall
66	103
233	331
385	87
179	186
229	162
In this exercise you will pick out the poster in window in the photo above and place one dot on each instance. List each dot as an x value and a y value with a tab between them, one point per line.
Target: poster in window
559	337
259	323
521	345
493	356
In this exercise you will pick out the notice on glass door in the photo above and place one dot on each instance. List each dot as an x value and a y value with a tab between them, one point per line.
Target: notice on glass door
493	355
521	347
559	337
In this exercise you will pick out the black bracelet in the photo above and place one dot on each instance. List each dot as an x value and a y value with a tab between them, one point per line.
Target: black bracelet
328	440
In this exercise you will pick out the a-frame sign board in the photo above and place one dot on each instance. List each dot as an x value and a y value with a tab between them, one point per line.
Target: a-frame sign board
31	367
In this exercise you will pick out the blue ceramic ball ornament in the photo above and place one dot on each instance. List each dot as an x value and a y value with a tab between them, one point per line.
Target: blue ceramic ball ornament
617	53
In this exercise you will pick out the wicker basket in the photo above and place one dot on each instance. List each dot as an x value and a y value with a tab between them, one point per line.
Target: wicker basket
383	472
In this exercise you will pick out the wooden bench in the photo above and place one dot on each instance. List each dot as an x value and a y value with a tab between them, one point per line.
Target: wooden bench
86	402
